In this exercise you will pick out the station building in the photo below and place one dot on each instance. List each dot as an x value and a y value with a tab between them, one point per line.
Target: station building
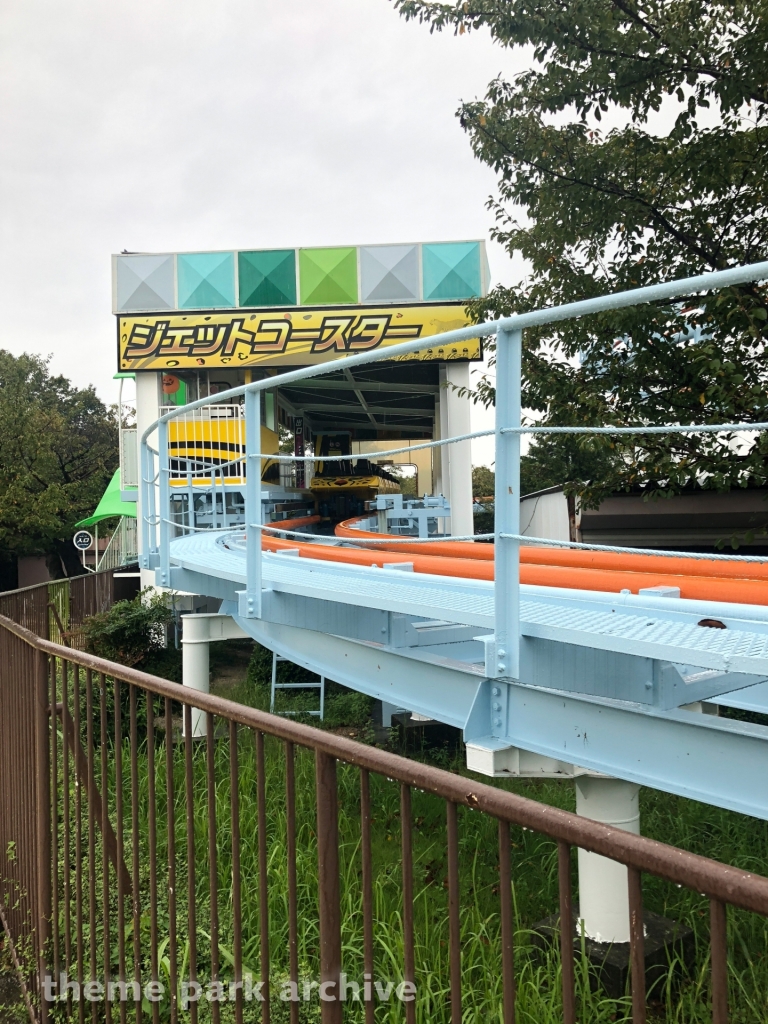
192	325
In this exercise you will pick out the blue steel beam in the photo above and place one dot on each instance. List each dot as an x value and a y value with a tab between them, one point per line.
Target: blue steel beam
720	762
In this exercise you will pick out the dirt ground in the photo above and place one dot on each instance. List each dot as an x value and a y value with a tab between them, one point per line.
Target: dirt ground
231	671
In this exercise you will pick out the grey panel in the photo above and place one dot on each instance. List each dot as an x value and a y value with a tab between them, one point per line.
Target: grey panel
145	283
389	273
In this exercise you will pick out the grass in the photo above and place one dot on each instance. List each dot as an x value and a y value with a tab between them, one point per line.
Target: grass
719	834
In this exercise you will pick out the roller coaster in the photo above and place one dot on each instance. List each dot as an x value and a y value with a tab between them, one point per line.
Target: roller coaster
595	661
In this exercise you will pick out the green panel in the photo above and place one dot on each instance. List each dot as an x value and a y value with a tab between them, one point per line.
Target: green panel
178	397
206	280
111	504
451	270
267	278
328	276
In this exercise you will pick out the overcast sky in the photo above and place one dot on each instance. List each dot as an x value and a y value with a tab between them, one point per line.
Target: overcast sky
153	125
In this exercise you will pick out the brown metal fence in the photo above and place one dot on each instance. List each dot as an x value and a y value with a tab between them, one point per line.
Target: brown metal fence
134	857
57	609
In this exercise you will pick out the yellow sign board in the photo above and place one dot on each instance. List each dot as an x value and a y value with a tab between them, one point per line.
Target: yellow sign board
297	337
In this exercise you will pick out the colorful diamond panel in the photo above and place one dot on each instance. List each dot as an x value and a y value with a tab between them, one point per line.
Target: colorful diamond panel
389	273
451	270
328	276
267	278
144	283
345	275
206	280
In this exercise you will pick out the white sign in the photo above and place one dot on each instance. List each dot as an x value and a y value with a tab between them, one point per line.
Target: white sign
82	540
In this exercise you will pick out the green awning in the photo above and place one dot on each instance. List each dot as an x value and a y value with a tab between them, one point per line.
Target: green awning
110	505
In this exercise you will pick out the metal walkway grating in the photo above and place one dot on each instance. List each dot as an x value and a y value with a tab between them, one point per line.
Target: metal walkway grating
470	602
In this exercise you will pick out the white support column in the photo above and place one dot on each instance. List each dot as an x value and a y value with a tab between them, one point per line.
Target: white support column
438	486
195	662
603	883
197	631
456	458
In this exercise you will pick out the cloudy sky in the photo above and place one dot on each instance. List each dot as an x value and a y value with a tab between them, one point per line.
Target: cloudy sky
157	125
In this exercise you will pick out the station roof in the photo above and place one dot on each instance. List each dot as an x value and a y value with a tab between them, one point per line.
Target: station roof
375	399
111	505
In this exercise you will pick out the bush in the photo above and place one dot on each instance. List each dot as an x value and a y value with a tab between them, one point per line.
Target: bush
134	633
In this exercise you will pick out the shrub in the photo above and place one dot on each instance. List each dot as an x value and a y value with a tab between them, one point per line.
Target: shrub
132	633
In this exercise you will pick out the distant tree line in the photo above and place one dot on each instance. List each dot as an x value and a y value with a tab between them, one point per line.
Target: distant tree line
58	451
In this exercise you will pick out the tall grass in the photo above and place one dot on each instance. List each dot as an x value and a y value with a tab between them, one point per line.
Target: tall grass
720	834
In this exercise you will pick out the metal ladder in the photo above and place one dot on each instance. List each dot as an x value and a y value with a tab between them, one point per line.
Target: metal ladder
320	685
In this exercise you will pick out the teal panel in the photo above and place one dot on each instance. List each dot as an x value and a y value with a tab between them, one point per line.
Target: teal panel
206	280
451	270
267	278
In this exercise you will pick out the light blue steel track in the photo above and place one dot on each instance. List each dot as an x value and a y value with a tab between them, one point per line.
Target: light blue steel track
602	682
610	682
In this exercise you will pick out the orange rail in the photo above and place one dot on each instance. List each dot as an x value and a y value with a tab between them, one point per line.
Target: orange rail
696	587
574	559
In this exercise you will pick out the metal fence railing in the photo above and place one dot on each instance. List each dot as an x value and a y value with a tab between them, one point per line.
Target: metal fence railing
140	867
123	546
57	609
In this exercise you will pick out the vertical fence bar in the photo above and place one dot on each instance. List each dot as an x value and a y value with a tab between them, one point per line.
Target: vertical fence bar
66	810
78	843
44	721
328	886
189	795
566	931
365	842
409	964
105	828
170	805
261	797
135	847
56	923
237	906
152	816
213	868
636	945
90	755
507	504
507	932
253	503
118	726
454	921
293	929
719	953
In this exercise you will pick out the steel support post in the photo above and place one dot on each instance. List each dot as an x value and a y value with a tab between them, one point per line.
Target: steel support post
195	662
251	607
604	883
329	900
507	509
164	503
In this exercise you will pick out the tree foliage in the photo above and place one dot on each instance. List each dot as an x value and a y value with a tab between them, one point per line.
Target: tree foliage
58	451
633	150
483	482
